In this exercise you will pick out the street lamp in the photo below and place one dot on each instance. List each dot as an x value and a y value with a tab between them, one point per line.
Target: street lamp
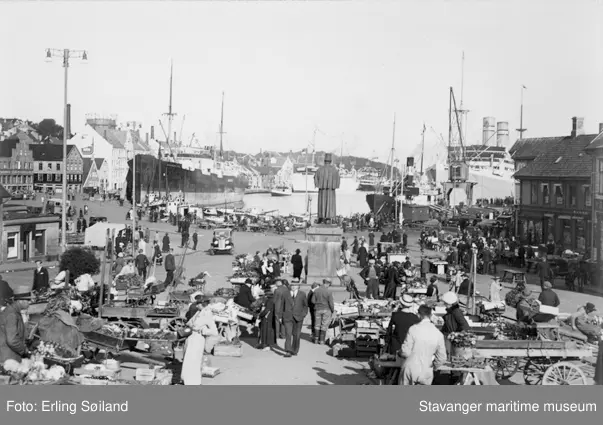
66	54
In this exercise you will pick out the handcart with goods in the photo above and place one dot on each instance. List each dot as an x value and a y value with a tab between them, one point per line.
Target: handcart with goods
546	362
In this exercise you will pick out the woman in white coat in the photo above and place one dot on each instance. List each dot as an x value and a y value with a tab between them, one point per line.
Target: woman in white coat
202	325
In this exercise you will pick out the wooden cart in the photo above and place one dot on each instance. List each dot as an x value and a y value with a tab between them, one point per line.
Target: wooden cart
546	362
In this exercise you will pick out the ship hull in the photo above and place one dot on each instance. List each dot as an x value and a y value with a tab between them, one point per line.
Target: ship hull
280	193
154	176
367	187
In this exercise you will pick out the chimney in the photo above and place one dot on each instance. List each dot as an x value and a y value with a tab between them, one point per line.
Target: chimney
577	126
152	132
601	127
68	121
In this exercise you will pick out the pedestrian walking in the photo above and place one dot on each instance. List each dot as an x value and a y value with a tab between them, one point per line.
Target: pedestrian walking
195	240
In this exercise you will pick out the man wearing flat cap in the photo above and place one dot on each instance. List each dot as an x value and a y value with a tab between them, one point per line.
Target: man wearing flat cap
324	307
370	274
327	182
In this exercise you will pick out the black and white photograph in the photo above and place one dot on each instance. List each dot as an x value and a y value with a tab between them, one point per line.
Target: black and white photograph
301	193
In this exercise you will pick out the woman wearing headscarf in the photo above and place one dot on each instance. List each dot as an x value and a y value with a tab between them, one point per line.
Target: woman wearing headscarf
362	255
586	321
454	320
203	325
526	307
392	281
266	321
298	265
400	323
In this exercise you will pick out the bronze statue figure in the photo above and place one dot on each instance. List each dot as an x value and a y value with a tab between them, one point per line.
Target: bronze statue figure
326	181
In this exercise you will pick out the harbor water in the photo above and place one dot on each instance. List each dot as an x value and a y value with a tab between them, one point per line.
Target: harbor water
348	203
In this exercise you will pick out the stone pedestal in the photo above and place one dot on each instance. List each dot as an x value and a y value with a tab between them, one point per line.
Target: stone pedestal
324	252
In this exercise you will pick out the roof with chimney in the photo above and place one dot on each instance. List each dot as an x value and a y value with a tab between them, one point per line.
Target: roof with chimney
528	149
565	158
49	152
597	143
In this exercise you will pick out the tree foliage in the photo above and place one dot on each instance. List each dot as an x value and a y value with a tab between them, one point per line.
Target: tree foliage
48	127
79	261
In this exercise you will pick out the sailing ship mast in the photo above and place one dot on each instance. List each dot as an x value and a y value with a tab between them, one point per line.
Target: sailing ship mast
222	128
391	169
170	114
422	147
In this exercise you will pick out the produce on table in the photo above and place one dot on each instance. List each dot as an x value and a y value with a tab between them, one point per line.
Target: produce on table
128	281
54	350
463	339
512	331
32	371
114	330
245	266
226	293
139	333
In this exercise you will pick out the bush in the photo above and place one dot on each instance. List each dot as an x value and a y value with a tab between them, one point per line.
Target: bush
79	261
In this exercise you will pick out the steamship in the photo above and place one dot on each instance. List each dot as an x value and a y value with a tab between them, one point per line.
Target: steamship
193	176
490	164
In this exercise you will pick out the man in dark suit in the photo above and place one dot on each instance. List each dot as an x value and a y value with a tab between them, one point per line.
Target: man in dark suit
544	272
282	297
170	267
6	292
295	320
40	279
142	263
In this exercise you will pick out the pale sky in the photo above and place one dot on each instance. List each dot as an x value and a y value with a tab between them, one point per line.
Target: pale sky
344	66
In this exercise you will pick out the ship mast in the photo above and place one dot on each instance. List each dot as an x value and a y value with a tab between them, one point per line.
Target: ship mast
391	167
222	128
170	114
422	147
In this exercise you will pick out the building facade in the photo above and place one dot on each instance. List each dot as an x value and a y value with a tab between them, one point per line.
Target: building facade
555	193
48	167
99	140
27	235
16	165
595	149
75	169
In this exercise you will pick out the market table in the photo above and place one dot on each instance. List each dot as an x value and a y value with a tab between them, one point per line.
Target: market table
472	375
513	277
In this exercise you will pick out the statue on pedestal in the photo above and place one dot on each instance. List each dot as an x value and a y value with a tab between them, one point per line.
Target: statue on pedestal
327	182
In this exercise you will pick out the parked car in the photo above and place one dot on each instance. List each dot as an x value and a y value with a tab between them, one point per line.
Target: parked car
222	242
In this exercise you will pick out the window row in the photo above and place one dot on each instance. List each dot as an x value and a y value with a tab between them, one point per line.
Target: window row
561	195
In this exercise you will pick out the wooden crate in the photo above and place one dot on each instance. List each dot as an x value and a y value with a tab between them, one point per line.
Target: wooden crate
228	350
522	344
145	374
124	312
107	341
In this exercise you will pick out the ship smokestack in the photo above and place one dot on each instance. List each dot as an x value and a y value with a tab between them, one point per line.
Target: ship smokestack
146	138
502	134
488	130
152	133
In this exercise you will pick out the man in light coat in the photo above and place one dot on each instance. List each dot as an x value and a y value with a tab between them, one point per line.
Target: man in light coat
423	349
